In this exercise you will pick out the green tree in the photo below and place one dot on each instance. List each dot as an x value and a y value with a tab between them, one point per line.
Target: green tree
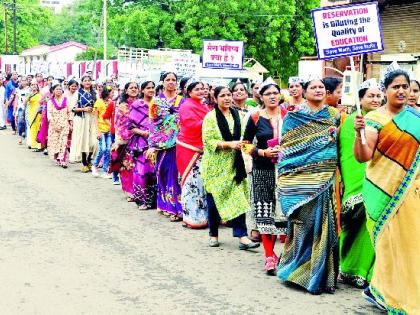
276	33
31	21
79	22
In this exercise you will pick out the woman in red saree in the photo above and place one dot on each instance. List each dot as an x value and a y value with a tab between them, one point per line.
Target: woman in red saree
189	149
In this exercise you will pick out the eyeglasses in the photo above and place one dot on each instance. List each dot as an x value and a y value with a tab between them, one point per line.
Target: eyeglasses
272	93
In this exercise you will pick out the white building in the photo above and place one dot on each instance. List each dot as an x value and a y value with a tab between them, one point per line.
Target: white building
52	58
56	5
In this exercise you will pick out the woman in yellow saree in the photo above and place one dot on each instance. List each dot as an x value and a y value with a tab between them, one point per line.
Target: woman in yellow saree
391	193
34	115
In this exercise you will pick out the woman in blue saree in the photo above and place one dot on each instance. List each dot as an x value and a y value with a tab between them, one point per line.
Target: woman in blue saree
306	193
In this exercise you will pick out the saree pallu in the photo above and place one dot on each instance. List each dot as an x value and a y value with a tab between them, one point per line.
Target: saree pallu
42	136
306	193
123	135
168	188
357	255
144	178
193	195
391	193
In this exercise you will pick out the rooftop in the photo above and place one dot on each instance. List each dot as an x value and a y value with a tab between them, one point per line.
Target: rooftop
45	49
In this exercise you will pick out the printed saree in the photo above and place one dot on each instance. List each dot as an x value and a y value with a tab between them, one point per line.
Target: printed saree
189	149
123	136
306	193
144	179
391	195
164	120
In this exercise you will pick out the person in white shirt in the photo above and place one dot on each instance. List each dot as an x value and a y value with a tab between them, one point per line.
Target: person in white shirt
2	107
21	92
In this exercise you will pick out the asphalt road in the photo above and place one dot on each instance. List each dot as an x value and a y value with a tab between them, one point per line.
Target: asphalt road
71	244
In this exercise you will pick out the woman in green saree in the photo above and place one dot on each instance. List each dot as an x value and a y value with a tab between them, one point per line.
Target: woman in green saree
356	251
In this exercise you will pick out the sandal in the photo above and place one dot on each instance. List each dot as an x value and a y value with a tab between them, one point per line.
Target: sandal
255	236
130	199
175	218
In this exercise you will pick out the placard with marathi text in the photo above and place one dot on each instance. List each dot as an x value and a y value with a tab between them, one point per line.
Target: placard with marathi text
223	54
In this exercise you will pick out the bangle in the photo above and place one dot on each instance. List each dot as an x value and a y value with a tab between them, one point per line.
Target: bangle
263	153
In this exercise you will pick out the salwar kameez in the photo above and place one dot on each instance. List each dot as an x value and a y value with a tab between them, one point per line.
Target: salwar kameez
59	117
83	140
263	179
217	170
164	119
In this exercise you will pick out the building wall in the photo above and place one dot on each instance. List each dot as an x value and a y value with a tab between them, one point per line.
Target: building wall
64	55
399	28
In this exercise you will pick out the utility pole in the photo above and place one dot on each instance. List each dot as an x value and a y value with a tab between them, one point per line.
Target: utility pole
6	37
14	28
104	13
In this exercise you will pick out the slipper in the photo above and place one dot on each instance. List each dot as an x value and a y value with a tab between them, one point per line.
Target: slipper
130	199
175	218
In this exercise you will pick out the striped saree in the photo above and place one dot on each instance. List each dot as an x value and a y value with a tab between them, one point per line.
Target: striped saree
392	199
306	194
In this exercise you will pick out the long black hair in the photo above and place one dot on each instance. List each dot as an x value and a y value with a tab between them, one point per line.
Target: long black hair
92	90
238	161
191	86
389	78
143	86
124	95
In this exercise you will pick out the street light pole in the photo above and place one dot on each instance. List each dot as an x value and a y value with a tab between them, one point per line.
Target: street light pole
6	36
105	28
14	28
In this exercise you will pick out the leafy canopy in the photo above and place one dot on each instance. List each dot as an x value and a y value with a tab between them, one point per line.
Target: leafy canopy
276	33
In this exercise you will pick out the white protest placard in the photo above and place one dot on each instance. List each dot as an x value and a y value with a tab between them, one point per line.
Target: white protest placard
223	54
347	30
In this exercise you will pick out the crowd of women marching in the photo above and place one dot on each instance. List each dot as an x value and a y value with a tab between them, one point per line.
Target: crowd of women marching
344	188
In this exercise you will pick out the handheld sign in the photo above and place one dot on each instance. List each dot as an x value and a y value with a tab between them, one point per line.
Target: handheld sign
223	54
347	30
